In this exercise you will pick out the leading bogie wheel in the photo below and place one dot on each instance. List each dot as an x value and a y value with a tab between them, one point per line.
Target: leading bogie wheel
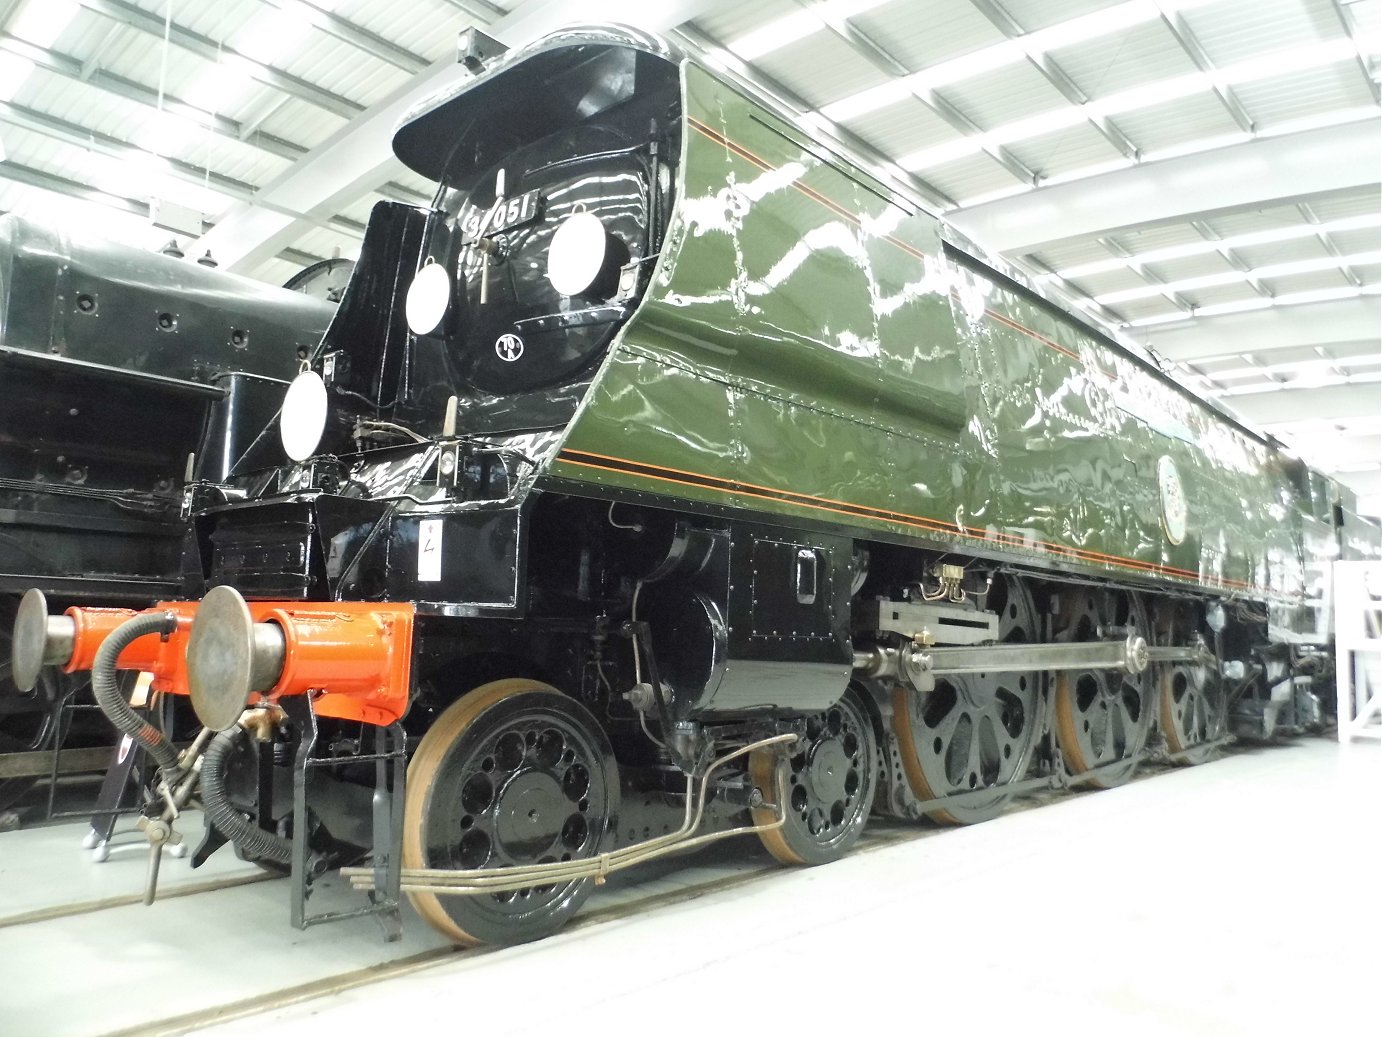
1102	715
514	773
829	779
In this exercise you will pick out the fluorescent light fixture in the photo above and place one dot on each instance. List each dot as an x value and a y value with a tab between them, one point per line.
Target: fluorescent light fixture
261	41
870	100
40	22
14	72
167	131
1297	367
1091	26
796	26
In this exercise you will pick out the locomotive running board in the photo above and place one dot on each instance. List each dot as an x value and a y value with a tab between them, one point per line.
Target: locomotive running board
476	881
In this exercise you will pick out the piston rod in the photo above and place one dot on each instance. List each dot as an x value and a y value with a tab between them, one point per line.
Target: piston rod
920	665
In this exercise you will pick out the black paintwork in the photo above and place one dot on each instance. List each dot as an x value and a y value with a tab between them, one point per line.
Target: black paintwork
117	364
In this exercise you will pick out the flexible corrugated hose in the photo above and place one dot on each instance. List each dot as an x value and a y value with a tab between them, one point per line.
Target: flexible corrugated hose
105	685
253	841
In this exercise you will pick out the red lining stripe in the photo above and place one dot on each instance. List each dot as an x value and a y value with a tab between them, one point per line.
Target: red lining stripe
847	508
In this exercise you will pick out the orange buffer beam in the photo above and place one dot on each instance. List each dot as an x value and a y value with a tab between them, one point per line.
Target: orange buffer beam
72	640
354	656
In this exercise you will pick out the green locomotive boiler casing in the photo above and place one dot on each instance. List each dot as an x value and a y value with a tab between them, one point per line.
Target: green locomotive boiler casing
814	348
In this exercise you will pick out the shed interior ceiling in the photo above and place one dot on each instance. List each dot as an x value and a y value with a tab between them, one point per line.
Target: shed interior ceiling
1200	176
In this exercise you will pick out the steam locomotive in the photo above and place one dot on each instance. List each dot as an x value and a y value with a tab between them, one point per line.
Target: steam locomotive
118	363
672	477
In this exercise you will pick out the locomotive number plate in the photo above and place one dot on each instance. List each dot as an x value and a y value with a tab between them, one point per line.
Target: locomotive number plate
516	211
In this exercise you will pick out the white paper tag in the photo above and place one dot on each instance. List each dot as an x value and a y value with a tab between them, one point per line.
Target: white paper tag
429	550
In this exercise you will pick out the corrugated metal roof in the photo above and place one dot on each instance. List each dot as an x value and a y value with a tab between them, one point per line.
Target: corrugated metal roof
1235	30
1132	57
902	128
1306	282
1300	94
1054	153
1039	14
1281	252
821	68
1174	123
1004	96
970	177
733	20
922	33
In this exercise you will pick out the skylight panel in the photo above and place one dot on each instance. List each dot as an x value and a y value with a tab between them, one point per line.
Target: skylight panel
39	22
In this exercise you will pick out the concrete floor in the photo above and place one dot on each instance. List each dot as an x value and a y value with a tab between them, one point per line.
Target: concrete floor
1235	898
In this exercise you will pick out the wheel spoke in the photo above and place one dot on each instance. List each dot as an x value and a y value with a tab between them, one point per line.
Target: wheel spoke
987	714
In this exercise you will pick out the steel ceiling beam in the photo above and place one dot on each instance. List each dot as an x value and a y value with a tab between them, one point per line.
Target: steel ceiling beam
348	32
1247	175
1326	324
481	11
357	158
128	14
1328	243
90	74
72	69
52	127
1001	20
1347	24
36	178
874	53
1281	405
1176	24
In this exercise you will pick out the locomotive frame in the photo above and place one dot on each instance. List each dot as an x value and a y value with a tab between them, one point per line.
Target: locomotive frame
119	364
702	485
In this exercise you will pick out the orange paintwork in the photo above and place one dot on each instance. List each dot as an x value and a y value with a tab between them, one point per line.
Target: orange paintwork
162	657
356	655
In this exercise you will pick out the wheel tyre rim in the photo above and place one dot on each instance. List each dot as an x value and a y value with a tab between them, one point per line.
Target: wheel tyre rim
516	774
829	782
976	731
1102	716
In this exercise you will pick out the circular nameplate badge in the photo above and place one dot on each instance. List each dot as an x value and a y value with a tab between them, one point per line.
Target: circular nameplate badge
1174	512
508	347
